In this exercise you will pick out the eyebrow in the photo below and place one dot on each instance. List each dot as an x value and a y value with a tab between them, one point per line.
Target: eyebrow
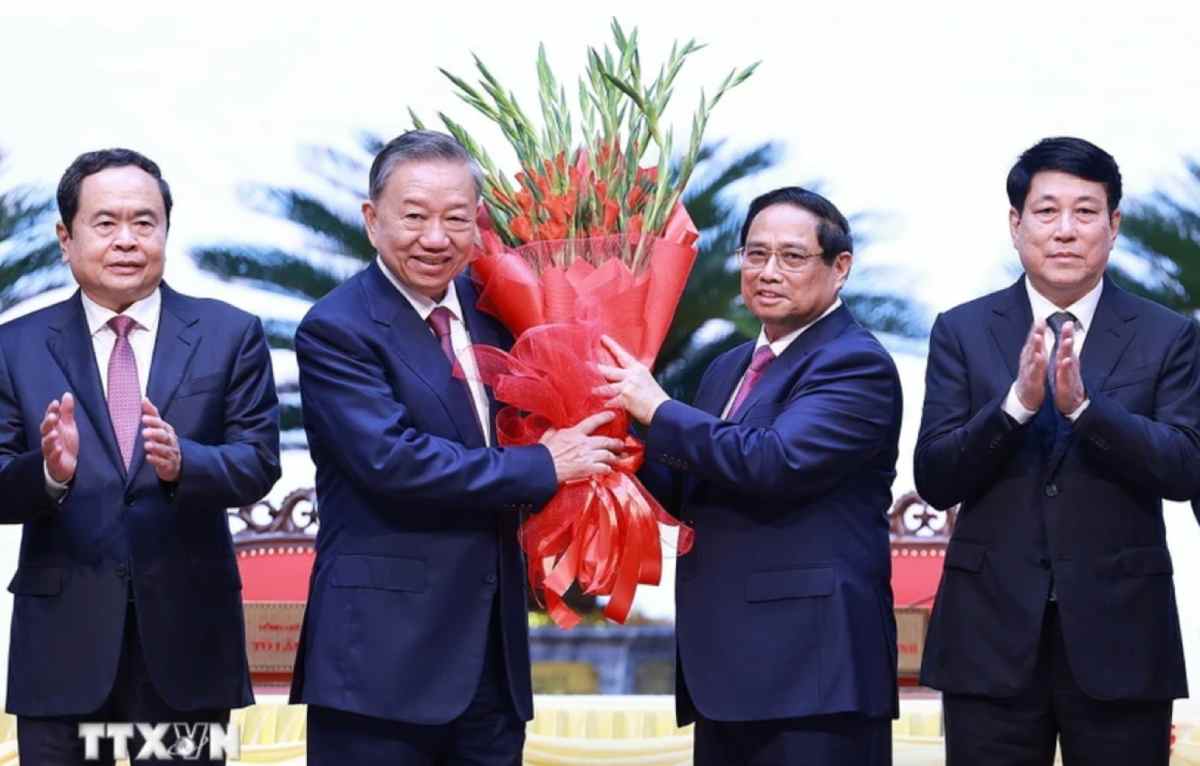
146	211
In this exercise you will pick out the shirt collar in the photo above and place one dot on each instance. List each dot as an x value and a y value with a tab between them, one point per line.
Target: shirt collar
1083	309
145	312
780	345
423	304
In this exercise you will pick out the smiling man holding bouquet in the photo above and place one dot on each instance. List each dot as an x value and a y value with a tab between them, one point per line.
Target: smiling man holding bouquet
415	643
784	465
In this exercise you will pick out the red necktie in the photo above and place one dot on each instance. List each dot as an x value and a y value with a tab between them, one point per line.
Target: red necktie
758	364
124	393
439	320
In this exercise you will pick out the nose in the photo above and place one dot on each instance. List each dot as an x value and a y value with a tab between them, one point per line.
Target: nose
434	236
124	239
1065	229
770	269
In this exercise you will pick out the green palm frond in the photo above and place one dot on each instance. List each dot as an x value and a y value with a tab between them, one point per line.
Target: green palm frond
1164	231
268	268
30	262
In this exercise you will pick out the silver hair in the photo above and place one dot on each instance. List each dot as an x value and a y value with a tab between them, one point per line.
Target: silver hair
416	145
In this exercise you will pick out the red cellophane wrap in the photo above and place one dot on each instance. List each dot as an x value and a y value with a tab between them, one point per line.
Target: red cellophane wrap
557	298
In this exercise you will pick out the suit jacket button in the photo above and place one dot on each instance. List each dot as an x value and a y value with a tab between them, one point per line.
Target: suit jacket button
490	579
995	442
129	500
122	571
1051	490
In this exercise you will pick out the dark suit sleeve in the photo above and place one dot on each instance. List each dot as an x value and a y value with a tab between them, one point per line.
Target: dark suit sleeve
1160	453
843	413
22	472
350	408
959	450
243	468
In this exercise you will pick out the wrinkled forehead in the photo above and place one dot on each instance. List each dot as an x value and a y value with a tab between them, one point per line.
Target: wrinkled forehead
783	223
1065	189
125	188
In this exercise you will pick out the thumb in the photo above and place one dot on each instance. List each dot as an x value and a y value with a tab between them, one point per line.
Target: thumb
148	408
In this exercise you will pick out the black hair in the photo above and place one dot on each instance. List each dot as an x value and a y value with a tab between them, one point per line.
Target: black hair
1067	155
90	163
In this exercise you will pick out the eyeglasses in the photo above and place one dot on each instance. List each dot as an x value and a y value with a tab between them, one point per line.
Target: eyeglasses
786	259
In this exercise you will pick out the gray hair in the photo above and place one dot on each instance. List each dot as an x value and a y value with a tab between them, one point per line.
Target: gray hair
417	145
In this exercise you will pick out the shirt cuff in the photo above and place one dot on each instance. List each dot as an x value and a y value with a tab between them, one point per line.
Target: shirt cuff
1017	411
56	489
1079	410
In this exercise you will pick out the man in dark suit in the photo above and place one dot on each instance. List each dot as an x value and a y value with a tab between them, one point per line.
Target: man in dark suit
127	603
784	466
415	647
1055	618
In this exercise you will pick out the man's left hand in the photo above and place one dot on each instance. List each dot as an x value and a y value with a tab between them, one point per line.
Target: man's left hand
1068	384
630	384
161	443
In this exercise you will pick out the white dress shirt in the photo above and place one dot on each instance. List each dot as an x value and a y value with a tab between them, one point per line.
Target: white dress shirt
1084	311
145	314
459	339
778	346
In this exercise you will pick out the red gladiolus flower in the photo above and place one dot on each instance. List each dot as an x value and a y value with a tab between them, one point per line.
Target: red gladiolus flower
611	212
522	228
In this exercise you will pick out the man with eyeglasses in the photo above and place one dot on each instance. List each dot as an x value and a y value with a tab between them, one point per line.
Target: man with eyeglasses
784	466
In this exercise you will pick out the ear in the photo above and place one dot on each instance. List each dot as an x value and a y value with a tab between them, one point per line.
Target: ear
1014	223
841	267
370	221
1115	224
64	236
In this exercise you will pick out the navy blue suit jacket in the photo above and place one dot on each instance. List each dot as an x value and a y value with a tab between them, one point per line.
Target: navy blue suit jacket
784	606
211	380
418	531
1077	505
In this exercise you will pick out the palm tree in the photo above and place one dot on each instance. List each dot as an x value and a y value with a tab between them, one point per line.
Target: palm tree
29	257
1164	231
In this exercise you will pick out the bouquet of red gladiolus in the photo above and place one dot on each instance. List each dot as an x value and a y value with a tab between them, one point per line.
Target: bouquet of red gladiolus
585	242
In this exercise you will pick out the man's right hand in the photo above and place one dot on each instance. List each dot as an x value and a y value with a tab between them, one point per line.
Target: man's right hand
60	439
578	454
1031	376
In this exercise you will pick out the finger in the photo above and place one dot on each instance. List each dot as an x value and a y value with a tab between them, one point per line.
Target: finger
592	422
611	373
150	421
623	357
608	390
49	423
615	403
49	443
156	435
68	407
148	407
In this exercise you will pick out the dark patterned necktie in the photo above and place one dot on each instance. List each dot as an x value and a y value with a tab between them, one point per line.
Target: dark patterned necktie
1056	322
124	393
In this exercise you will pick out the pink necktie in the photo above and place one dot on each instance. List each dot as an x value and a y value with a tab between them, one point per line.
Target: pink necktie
124	394
758	364
439	320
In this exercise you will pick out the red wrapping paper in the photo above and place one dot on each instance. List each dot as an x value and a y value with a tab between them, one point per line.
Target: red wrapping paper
558	298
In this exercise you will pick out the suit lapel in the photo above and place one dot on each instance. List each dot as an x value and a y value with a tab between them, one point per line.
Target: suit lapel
485	331
174	345
1011	319
780	370
70	343
1108	337
713	397
420	351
